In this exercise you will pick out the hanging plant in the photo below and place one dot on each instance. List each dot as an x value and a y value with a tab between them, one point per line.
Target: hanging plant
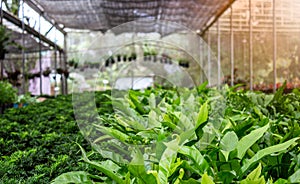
4	41
59	71
133	56
73	63
29	76
12	6
119	56
66	72
47	72
184	63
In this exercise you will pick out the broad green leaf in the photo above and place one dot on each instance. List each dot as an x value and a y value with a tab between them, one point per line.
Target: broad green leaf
168	122
127	179
254	177
206	179
268	99
152	101
181	174
139	107
195	155
189	181
155	174
113	133
76	177
107	167
229	141
247	141
153	120
167	159
187	135
281	181
137	168
116	156
175	165
267	151
202	115
295	178
226	176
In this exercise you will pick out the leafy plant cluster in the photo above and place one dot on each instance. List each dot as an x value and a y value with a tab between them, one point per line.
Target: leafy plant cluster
196	136
189	136
7	93
38	142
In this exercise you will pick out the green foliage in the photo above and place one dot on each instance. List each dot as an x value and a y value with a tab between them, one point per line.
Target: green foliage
13	6
7	93
26	99
4	39
203	136
38	142
187	136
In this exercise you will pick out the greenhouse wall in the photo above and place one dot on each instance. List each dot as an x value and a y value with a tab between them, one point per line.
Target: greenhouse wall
278	24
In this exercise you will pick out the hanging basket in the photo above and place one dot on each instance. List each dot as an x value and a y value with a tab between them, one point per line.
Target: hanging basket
46	73
59	71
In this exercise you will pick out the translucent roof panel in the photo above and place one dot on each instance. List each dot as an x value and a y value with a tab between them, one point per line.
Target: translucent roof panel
105	14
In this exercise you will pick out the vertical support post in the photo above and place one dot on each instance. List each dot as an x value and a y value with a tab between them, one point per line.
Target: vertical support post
55	62
250	46
40	57
1	12
274	46
219	53
65	64
61	77
231	49
244	55
208	58
23	52
1	60
201	61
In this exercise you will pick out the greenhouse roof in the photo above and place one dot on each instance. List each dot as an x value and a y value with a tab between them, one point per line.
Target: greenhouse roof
31	37
105	14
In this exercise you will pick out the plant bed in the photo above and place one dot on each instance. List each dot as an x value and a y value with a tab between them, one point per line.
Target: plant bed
199	136
38	143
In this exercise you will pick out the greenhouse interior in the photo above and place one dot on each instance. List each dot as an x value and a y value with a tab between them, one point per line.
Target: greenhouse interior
156	91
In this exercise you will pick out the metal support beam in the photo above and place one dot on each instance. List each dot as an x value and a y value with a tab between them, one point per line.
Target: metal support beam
231	49
49	31
40	58
1	60
250	46
1	12
55	65
65	63
218	15
28	29
274	47
23	52
60	56
208	58
201	60
219	53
